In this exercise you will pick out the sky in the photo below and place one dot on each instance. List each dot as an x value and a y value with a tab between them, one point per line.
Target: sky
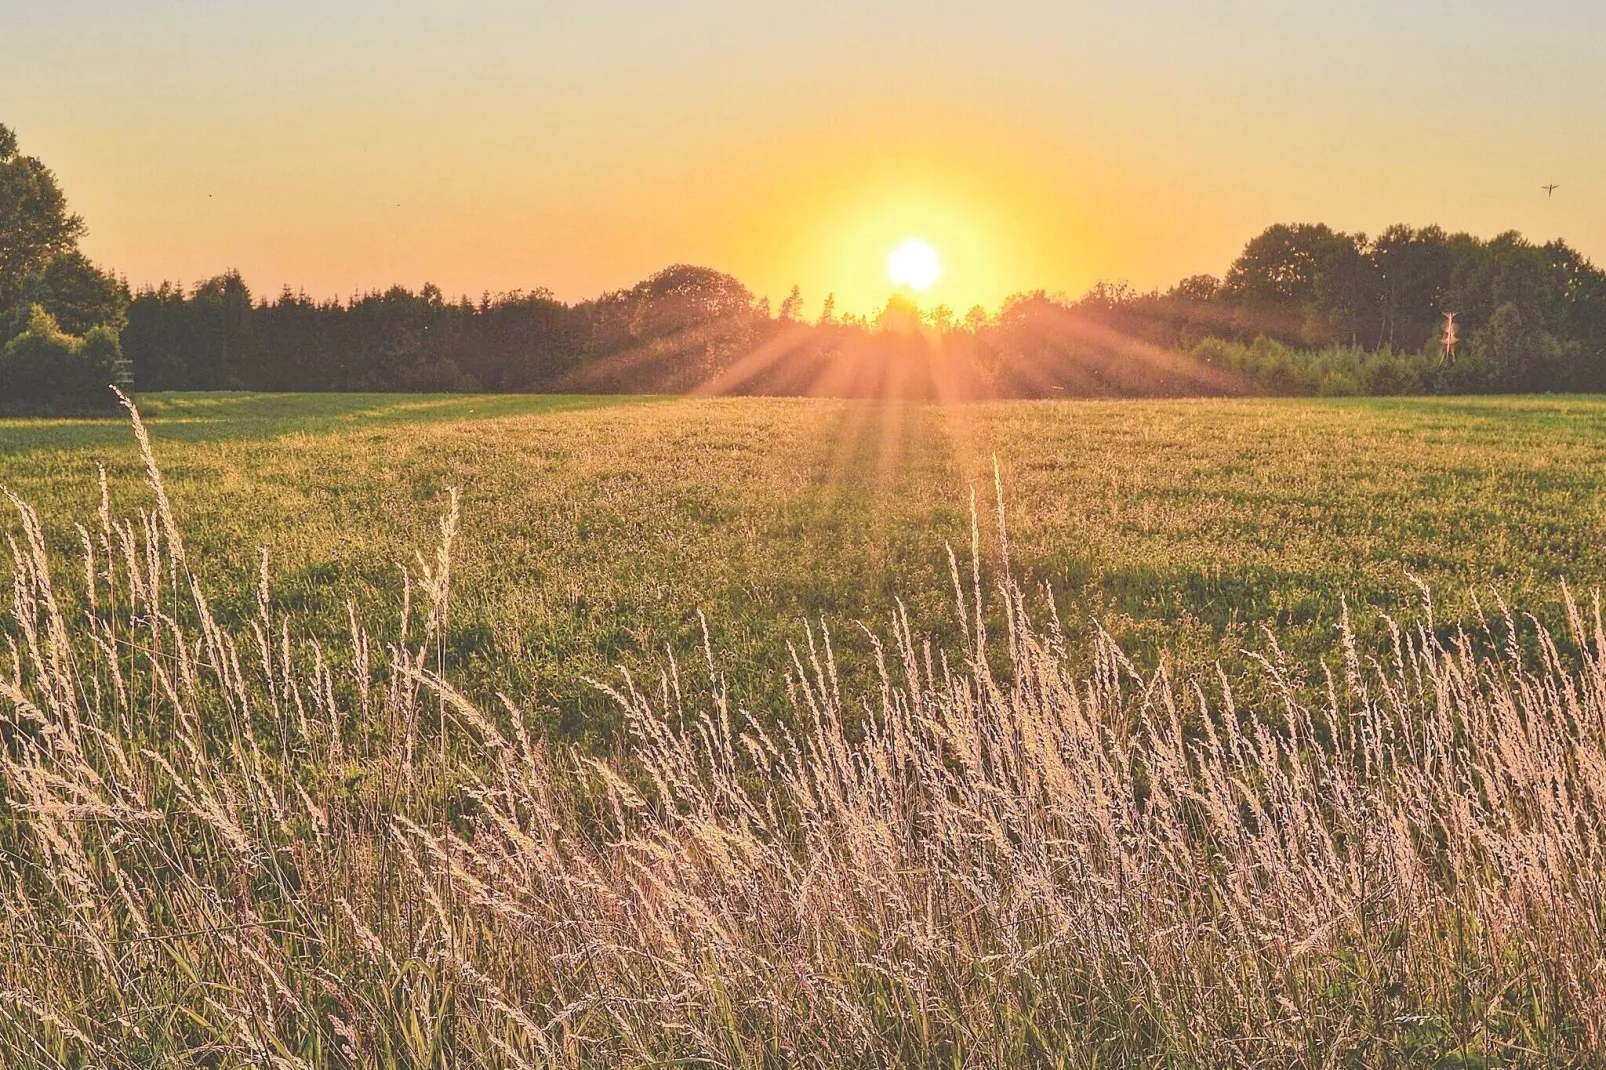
336	147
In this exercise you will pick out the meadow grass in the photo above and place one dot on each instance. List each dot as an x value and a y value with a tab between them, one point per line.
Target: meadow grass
597	529
230	842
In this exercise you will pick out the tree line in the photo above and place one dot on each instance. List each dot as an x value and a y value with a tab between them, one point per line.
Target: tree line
1304	309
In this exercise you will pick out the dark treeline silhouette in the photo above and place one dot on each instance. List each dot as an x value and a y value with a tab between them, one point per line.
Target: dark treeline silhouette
1304	309
686	329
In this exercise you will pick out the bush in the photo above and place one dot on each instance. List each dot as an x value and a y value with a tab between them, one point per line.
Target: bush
1339	371
104	365
45	369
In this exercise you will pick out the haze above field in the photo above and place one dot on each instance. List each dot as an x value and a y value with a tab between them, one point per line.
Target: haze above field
494	145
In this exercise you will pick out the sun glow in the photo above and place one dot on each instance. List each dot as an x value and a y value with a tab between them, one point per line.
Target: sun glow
857	234
914	264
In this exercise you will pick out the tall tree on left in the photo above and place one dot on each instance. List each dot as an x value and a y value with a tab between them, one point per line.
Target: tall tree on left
35	225
60	316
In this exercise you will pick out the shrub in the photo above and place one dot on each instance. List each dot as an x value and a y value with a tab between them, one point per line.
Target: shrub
45	369
1348	370
38	365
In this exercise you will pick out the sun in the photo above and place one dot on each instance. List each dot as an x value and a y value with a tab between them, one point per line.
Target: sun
914	264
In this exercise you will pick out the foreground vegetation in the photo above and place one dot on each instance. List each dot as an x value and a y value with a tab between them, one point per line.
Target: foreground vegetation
226	844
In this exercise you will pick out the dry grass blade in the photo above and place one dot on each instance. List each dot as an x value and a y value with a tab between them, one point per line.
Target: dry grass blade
221	860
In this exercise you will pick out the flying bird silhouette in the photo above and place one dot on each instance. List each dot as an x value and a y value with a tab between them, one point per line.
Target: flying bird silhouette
1550	190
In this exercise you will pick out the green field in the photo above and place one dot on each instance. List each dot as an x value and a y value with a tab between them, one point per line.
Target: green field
595	529
343	848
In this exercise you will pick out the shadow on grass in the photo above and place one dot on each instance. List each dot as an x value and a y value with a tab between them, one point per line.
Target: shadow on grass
222	416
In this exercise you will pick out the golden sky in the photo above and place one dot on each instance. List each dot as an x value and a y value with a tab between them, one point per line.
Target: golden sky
494	145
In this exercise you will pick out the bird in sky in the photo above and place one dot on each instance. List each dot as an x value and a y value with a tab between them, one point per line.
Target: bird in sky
1550	190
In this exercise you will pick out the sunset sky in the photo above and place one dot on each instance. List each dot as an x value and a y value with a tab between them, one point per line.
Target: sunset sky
339	146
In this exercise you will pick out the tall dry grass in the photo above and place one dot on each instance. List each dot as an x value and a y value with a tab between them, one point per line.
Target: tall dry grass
228	846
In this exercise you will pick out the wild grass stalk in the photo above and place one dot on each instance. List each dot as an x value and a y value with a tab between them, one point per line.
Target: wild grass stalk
228	846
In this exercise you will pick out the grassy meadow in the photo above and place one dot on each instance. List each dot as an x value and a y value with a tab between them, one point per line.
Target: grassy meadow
476	792
594	530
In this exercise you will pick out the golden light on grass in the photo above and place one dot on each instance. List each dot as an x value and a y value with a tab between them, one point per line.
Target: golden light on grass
915	265
333	849
348	856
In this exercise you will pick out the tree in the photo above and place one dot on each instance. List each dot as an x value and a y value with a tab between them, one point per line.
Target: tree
1345	290
218	342
682	297
1413	272
154	338
1197	288
1303	282
1583	287
1278	266
60	316
76	293
35	224
901	316
1105	296
1514	354
792	307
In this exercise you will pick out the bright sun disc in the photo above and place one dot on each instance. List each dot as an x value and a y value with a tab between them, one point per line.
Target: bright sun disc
914	264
